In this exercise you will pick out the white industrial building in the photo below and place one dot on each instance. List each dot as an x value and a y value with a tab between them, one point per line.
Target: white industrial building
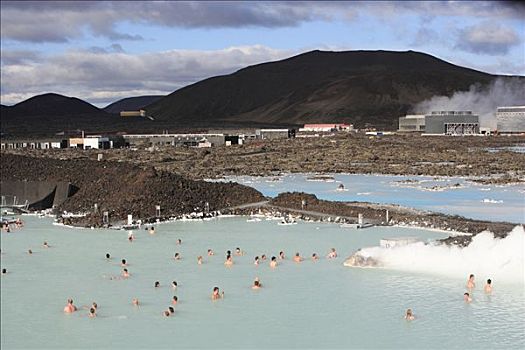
90	142
326	127
451	123
177	140
412	122
510	119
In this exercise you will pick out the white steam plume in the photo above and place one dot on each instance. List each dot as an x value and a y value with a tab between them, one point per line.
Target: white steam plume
482	101
502	260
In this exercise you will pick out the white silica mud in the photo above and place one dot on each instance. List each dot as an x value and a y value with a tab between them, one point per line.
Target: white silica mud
487	257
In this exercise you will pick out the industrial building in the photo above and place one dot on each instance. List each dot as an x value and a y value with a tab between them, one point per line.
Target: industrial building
451	123
177	140
412	122
326	127
141	113
274	134
90	142
33	144
510	119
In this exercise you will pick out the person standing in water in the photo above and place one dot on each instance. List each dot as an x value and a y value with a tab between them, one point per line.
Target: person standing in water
488	286
216	294
467	298
92	312
332	254
70	307
228	261
470	282
409	316
273	262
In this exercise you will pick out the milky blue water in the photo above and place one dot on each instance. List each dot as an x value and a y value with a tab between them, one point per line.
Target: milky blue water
301	305
494	203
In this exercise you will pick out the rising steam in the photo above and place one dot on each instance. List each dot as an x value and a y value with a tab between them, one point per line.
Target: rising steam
487	257
482	101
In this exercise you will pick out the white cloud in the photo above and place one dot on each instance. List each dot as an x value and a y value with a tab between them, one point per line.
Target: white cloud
61	21
487	37
103	76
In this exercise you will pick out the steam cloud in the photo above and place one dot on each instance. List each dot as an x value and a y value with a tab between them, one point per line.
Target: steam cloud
482	101
487	257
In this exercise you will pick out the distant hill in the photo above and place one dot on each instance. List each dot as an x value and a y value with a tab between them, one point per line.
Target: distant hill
131	103
360	87
51	113
52	105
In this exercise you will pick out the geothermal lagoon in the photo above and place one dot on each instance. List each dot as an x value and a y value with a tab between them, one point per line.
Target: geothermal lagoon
312	304
320	304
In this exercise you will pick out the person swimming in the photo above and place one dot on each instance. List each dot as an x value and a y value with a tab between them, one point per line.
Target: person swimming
130	238
467	298
297	258
29	252
4	271
281	255
157	284
210	252
199	260
263	257
125	273
46	245
315	257
176	256
94	305
273	262
238	252
216	294
332	254
409	316
256	260
123	262
166	313
174	285
135	302
152	230
92	312
108	256
171	310
470	282
70	307
175	300
488	286
179	241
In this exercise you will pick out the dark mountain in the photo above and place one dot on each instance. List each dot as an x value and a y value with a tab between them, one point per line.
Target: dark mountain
131	103
51	113
52	105
360	87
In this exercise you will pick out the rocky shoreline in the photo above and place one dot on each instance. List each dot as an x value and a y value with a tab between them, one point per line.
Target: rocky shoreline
308	207
123	188
353	153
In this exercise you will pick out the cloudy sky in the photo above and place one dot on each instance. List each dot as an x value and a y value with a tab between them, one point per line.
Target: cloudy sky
104	51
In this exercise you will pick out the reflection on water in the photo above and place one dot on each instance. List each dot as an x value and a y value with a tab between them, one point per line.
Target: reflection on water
440	194
308	305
